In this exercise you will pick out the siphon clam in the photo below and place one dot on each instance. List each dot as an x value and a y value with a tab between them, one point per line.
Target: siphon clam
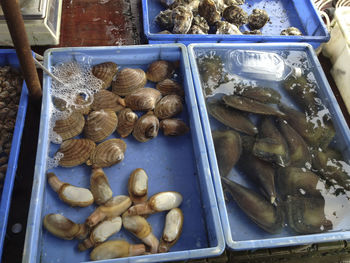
100	124
146	127
168	86
70	127
168	106
172	229
107	100
126	122
105	72
100	187
75	152
129	80
173	127
138	186
258	18
160	70
144	99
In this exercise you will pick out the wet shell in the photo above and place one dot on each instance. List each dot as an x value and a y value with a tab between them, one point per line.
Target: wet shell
168	107
100	124
75	152
225	28
126	122
208	10
143	99
258	19
291	31
100	187
105	72
160	70
146	127
70	127
200	25
173	127
235	15
107	100
165	20
82	104
182	18
108	153
129	80
138	186
168	86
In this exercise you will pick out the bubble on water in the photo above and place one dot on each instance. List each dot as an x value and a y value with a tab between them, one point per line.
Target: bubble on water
54	162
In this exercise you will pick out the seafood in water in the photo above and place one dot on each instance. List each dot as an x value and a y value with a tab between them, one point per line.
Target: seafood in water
62	227
228	148
173	127
199	26
101	233
189	4
182	19
144	99
138	186
116	249
165	20
258	18
70	194
235	15
225	28
75	152
264	214
291	31
146	127
252	32
139	226
264	95
112	208
106	100
168	106
126	122
160	70
105	72
108	153
160	202
100	124
168	86
129	80
208	10
70	127
231	118
172	229
100	187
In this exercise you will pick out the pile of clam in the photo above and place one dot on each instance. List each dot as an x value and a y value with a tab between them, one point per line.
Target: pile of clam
289	155
115	212
206	16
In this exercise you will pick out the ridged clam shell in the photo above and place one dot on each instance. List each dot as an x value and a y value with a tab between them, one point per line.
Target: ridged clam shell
108	153
83	105
129	80
126	122
105	72
76	151
160	70
71	126
143	99
168	107
107	100
173	127
100	124
168	86
146	127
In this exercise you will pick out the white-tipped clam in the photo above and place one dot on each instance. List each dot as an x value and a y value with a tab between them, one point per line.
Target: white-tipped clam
100	187
172	229
100	124
72	195
138	186
126	122
143	99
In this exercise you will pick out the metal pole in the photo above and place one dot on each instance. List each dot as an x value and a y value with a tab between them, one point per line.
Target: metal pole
19	37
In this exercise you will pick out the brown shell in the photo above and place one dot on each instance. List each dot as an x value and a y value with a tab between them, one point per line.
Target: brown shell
84	106
129	80
168	107
146	127
168	86
173	127
107	100
76	152
71	126
105	72
143	99
100	124
160	70
126	122
108	153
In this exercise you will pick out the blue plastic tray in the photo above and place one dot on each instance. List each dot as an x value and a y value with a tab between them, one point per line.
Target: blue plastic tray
240	232
283	14
8	57
178	164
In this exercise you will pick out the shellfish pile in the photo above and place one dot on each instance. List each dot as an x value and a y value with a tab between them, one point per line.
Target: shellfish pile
288	153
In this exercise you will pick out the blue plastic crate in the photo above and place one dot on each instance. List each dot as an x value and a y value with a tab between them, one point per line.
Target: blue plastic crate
8	57
283	14
178	164
240	232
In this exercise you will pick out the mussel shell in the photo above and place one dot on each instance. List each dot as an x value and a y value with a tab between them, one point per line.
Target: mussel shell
71	126
75	152
160	70
126	122
146	127
173	127
105	72
107	100
129	80
168	106
100	124
168	86
144	99
108	153
264	95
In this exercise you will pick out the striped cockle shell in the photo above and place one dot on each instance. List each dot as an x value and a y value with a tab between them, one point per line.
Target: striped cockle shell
168	107
105	72
100	124
146	127
160	70
107	100
173	127
169	86
70	127
75	152
143	99
126	122
108	153
129	80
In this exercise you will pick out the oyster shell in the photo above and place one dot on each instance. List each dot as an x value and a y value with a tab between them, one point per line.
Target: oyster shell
258	19
107	100
100	124
234	2
129	80
105	72
191	5
144	99
168	86
225	28
75	151
173	127
165	20
146	127
160	70
199	26
252	32
220	5
235	15
291	31
108	153
126	122
182	19
168	106
208	10
71	126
